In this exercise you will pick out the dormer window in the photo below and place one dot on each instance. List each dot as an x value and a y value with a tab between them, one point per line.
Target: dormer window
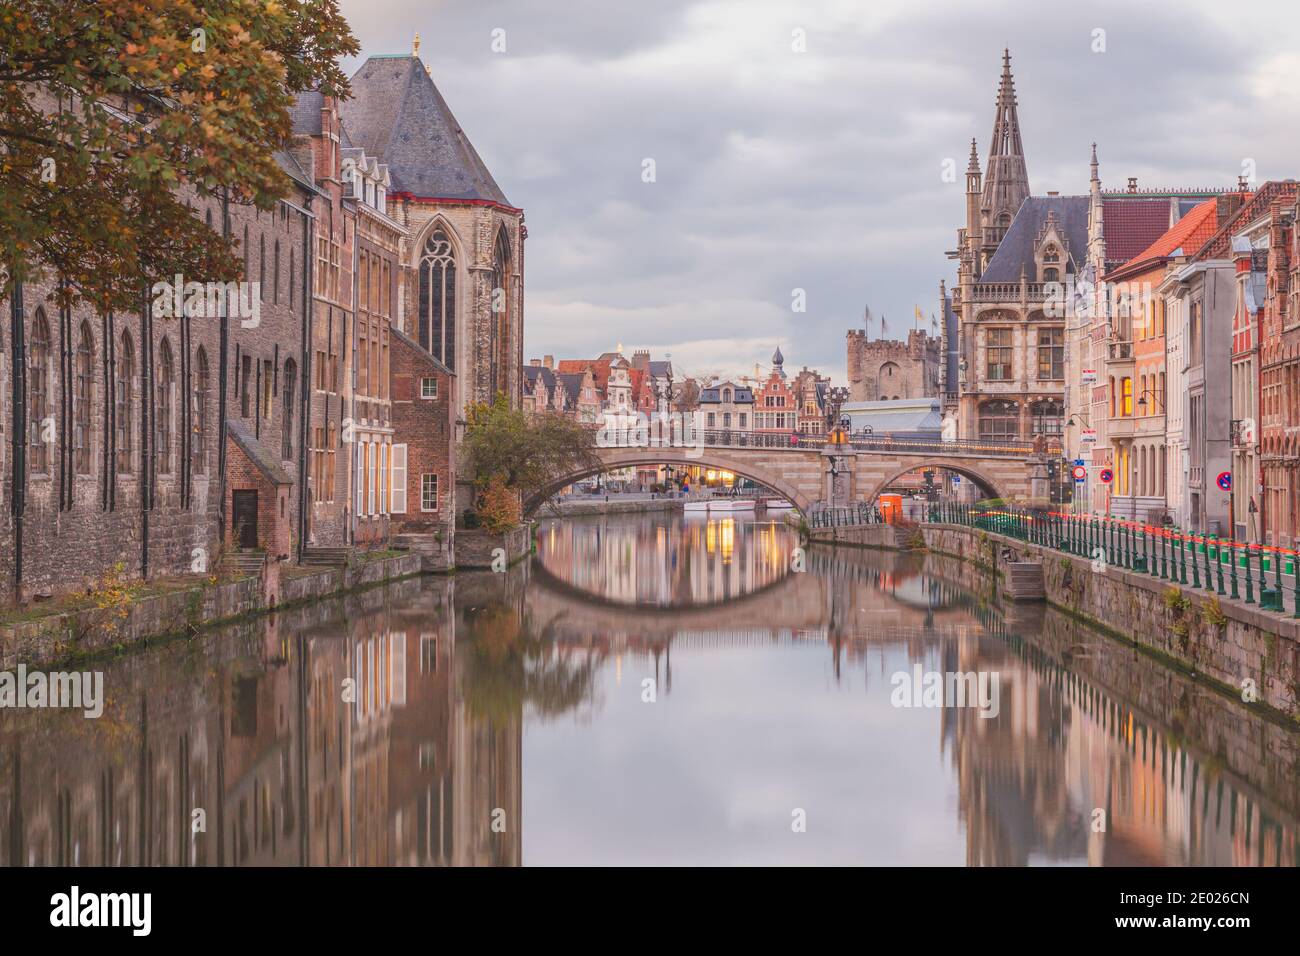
381	199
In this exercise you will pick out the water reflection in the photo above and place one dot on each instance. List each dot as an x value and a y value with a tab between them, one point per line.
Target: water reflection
665	559
507	719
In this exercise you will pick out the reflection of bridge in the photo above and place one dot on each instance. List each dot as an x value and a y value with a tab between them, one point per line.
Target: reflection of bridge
856	595
807	471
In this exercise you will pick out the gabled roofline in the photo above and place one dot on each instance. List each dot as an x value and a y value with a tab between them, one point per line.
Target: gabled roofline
411	197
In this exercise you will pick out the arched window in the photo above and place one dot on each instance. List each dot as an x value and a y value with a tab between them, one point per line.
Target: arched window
286	420
199	446
125	406
1051	275
501	295
999	420
888	369
726	395
1048	417
162	443
81	407
437	321
39	417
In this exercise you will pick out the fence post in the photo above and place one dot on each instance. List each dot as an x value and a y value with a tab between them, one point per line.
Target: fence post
1250	582
1218	561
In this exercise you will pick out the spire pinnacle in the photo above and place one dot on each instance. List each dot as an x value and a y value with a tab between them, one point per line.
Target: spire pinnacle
974	165
1006	183
415	47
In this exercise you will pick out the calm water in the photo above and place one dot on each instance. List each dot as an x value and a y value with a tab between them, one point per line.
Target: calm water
651	689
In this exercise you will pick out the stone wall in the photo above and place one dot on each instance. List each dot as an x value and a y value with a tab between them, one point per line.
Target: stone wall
476	548
56	638
1223	641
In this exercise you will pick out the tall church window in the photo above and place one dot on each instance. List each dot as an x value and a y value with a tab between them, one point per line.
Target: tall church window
199	446
163	421
1048	417
81	410
125	411
501	295
437	322
38	393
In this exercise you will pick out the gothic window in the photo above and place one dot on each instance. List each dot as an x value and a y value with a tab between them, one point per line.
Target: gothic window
1048	417
501	294
199	447
286	436
999	355
81	408
888	369
437	320
1051	354
125	407
999	420
38	393
163	420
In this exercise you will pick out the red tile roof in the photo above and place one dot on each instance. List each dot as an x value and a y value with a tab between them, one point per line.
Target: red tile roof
1132	225
1217	247
1188	234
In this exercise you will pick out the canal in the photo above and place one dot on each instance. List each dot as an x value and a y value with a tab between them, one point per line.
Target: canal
654	688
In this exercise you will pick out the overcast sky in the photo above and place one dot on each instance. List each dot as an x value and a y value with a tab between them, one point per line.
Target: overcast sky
820	170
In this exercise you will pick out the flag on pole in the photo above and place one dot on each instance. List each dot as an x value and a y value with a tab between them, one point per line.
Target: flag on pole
882	325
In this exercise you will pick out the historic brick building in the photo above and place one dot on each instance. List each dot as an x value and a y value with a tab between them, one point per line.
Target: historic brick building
114	448
464	302
775	408
888	369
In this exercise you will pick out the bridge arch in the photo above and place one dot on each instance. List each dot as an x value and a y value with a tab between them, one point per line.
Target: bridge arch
989	487
614	458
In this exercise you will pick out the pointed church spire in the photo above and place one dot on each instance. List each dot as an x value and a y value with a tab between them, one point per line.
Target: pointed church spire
1006	184
974	165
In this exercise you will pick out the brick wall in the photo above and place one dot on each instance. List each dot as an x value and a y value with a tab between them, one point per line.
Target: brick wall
425	427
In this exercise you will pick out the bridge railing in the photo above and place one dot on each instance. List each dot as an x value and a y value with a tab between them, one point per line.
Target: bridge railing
1240	570
866	441
845	516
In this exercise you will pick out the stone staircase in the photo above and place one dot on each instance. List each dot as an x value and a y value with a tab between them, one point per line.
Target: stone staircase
1024	581
243	564
326	557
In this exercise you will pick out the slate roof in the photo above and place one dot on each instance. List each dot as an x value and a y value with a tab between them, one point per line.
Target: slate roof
740	395
305	113
533	374
265	461
572	382
397	113
660	369
1018	245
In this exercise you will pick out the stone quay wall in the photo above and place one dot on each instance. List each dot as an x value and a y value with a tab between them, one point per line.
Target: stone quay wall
138	619
1233	645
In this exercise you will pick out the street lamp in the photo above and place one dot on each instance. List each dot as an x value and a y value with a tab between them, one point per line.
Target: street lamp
835	425
1142	401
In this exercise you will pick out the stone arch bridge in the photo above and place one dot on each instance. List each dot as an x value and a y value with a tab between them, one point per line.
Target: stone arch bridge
811	472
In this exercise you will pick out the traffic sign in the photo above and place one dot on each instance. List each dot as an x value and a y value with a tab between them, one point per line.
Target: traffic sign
1224	481
1106	476
1080	473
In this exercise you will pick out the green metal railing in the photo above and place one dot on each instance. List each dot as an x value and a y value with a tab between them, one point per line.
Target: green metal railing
1260	574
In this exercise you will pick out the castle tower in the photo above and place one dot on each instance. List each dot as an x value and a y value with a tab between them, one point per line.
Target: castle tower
1006	182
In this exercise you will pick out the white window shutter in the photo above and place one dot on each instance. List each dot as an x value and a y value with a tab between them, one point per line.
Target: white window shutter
398	478
361	478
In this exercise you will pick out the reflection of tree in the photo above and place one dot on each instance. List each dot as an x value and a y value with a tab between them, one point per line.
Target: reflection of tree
509	664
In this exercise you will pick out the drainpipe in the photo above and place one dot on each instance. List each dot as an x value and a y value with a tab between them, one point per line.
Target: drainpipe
304	418
17	501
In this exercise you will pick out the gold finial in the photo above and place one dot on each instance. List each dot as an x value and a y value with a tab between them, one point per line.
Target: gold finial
415	48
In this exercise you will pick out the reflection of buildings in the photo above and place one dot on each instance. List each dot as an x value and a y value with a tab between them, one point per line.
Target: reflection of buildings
642	560
289	764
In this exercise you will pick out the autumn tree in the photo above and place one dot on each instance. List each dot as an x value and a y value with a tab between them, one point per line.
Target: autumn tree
114	112
513	455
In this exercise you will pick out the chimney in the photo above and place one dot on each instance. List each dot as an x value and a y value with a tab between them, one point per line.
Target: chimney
535	363
1053	192
548	362
1132	184
1226	206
